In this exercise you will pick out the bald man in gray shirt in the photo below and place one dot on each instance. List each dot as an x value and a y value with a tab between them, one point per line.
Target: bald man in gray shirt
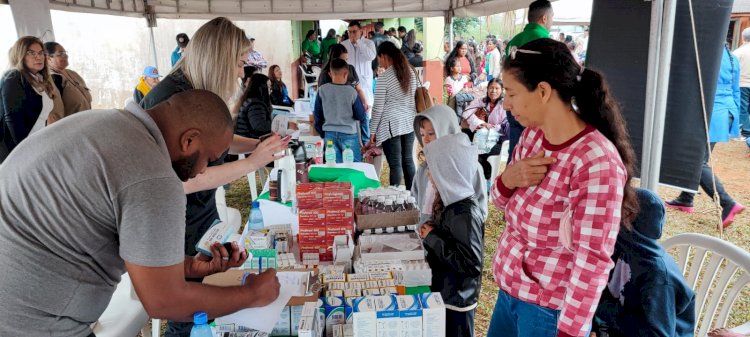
99	194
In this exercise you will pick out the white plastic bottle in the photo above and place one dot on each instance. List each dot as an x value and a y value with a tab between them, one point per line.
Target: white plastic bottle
348	155
330	154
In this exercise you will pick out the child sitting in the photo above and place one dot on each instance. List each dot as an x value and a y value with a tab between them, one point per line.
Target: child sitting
646	294
455	82
338	108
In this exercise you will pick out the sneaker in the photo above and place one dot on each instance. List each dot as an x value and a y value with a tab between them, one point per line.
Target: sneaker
736	209
680	205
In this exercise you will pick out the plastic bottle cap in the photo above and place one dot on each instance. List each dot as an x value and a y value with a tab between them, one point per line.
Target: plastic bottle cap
330	142
256	204
200	318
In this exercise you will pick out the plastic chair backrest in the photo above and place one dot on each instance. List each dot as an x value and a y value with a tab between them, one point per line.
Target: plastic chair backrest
717	270
251	181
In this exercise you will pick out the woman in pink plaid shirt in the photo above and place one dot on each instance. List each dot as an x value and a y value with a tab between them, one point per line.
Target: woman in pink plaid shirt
564	195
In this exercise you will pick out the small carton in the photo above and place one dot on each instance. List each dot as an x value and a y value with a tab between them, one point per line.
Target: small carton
335	313
357	277
387	316
348	330
312	235
410	315
338	195
309	195
341	216
309	320
283	326
312	217
295	315
364	317
433	315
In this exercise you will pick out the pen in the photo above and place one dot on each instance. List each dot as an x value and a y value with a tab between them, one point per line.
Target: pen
260	264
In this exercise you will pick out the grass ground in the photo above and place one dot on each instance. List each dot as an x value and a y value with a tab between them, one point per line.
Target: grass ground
732	166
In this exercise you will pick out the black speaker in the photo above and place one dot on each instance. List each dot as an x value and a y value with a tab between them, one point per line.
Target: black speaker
618	47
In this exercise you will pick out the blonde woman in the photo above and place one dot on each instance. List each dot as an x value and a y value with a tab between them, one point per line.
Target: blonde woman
75	95
28	95
213	61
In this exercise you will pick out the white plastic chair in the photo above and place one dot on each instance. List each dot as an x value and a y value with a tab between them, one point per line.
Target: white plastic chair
497	160
125	315
315	75
710	265
228	215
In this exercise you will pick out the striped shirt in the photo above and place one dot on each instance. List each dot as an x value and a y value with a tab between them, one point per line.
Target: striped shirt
531	262
394	110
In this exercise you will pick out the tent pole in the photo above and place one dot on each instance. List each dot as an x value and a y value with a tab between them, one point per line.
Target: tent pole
153	47
662	91
450	32
661	94
657	10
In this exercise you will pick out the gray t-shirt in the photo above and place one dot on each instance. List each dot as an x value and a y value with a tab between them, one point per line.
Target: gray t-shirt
78	199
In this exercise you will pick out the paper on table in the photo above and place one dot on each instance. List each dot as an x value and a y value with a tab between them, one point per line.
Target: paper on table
265	318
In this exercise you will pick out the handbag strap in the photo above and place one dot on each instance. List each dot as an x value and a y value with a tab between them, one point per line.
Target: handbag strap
419	80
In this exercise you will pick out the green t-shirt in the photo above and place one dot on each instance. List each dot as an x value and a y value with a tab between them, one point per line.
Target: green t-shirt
327	43
531	32
312	47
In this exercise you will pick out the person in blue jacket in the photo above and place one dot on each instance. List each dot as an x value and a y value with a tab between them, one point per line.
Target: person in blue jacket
724	125
646	294
182	42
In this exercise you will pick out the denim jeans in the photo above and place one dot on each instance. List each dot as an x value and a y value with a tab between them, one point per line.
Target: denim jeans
707	185
513	317
340	141
398	152
514	134
744	107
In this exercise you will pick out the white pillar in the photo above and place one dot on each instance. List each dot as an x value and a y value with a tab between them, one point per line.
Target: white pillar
32	18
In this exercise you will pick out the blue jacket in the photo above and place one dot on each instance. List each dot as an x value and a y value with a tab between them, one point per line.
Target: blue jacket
727	101
176	55
653	299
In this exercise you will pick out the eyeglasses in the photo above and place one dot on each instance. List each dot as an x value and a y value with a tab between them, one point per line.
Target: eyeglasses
354	31
34	53
60	54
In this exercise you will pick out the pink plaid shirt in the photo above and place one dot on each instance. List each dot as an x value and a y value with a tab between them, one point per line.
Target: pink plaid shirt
531	263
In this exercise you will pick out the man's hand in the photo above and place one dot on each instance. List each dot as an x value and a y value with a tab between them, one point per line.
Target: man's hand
265	287
527	172
220	261
486	125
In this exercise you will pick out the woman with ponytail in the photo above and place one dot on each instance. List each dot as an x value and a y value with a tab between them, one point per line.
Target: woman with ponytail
564	196
393	113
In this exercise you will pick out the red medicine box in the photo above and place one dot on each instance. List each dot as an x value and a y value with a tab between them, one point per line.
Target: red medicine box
338	195
310	195
312	217
340	217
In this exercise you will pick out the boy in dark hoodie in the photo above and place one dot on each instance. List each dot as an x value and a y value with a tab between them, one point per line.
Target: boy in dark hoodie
454	237
646	294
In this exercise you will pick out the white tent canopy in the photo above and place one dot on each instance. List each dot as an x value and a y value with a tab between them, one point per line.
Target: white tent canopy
290	9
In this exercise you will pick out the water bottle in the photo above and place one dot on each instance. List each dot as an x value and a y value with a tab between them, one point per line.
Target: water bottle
330	154
200	325
319	153
348	155
480	139
256	217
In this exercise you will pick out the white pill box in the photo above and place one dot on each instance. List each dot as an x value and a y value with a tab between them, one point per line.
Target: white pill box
433	315
410	316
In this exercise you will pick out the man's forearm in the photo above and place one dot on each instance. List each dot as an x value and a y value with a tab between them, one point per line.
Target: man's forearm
243	145
216	176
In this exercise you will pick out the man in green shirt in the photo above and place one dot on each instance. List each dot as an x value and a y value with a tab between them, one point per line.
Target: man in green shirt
540	21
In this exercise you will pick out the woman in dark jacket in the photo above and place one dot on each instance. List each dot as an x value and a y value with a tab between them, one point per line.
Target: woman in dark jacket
454	239
279	92
27	94
254	119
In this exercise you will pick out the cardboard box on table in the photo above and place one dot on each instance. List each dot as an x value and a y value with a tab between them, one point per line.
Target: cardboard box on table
384	220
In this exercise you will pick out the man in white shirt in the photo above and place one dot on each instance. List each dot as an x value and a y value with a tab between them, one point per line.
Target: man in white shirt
361	53
743	54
